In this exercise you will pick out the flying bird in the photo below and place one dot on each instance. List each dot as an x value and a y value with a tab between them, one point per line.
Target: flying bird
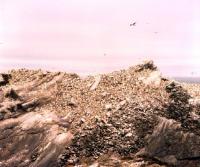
133	24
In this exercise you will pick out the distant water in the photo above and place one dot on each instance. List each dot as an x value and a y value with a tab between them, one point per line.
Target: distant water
188	79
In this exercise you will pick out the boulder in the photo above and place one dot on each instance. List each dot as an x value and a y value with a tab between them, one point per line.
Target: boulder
4	79
154	78
171	145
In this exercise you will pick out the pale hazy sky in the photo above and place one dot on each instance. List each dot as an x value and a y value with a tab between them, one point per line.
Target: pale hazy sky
88	36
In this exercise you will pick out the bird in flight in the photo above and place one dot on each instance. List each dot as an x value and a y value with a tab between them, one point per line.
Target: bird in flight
133	24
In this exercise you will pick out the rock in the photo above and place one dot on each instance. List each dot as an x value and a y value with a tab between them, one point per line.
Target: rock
97	79
168	137
1	95
74	75
82	121
171	86
108	107
146	65
97	119
194	116
96	164
54	120
153	79
104	94
194	101
31	104
129	134
72	102
1	79
70	161
1	116
11	93
4	79
121	104
33	128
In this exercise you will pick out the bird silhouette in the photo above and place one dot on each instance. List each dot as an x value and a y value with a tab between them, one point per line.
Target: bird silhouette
133	24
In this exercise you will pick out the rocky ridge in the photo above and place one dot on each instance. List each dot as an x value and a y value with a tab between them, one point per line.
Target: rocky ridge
132	117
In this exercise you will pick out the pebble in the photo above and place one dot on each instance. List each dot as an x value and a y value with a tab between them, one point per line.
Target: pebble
82	120
72	102
129	134
104	94
96	164
108	107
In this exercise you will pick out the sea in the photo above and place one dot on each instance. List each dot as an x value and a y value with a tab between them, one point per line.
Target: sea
188	79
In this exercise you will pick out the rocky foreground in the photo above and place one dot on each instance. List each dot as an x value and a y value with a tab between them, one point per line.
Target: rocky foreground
128	118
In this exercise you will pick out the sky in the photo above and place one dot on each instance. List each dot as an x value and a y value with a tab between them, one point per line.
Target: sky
94	36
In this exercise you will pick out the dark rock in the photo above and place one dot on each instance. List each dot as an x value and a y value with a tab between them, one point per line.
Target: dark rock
146	65
178	107
12	94
170	144
1	116
72	102
4	79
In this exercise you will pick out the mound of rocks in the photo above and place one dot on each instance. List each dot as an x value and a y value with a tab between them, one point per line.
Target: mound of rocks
132	117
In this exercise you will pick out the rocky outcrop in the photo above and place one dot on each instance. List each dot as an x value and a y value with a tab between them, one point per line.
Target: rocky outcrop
130	117
29	137
32	140
171	145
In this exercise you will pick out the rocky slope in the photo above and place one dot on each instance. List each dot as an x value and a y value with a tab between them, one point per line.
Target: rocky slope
132	117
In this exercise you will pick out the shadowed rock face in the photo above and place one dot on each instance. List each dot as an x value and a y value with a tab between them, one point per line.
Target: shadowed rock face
171	145
29	137
131	117
4	79
31	140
